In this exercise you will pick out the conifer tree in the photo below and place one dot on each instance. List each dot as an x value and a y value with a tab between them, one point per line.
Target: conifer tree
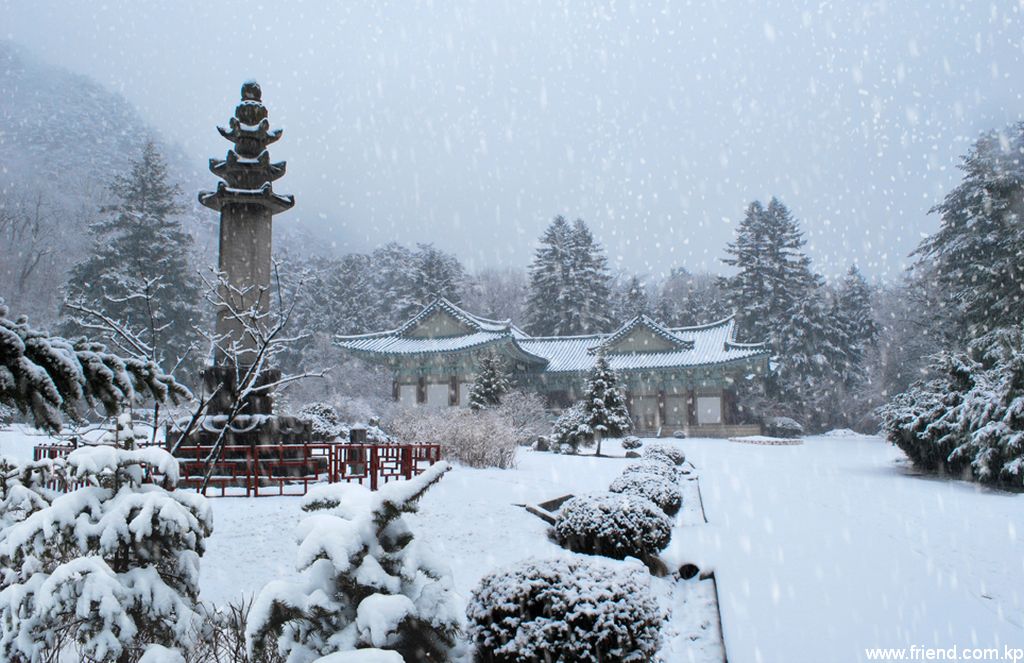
491	383
364	583
139	273
853	310
773	271
604	403
570	291
633	300
976	253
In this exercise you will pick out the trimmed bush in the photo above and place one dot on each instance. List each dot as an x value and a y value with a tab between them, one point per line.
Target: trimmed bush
782	427
656	488
665	453
613	525
664	470
578	609
631	442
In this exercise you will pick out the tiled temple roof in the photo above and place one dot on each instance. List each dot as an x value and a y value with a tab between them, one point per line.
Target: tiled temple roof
703	345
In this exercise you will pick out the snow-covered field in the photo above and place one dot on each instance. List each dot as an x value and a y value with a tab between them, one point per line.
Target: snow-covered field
820	550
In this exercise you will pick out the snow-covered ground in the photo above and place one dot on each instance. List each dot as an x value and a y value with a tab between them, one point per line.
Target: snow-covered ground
820	550
828	548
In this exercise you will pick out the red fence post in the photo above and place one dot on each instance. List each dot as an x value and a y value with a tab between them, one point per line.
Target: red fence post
374	467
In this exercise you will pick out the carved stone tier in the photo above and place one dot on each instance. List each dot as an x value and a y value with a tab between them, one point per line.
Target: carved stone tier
264	196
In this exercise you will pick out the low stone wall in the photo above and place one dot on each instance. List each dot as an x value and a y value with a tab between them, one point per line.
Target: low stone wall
712	430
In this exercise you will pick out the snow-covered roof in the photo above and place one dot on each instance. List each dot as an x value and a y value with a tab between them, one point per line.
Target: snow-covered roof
702	345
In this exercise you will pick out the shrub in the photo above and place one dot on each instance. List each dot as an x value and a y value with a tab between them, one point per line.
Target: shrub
679	434
631	442
326	425
969	419
477	439
564	610
613	525
526	414
542	443
364	580
782	427
665	470
572	429
665	453
656	488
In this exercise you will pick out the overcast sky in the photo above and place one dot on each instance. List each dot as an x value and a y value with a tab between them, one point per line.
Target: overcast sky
471	124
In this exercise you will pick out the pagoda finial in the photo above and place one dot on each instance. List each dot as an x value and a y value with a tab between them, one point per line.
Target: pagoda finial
247	171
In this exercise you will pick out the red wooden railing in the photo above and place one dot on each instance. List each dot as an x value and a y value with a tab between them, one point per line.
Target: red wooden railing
291	467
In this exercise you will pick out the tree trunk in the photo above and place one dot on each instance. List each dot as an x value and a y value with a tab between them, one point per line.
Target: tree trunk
597	438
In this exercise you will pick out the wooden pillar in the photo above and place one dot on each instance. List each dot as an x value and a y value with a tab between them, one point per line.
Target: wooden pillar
661	408
395	390
728	407
421	390
453	391
691	407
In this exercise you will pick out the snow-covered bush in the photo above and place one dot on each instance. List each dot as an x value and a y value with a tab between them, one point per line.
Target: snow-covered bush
542	443
26	489
525	412
665	453
6	414
478	439
970	418
326	425
571	429
578	609
661	491
613	525
365	582
783	427
105	571
631	442
667	471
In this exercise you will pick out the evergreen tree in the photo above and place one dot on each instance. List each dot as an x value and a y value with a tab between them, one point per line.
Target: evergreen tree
491	383
435	274
139	272
811	352
49	376
853	310
365	581
687	299
978	252
570	286
604	403
106	572
633	300
773	275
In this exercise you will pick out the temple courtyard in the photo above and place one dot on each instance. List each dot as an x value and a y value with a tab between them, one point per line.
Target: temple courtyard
820	551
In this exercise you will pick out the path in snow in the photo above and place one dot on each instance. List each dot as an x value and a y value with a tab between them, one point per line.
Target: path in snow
825	549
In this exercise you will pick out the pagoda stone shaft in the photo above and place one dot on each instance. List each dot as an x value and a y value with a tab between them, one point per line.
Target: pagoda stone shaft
246	202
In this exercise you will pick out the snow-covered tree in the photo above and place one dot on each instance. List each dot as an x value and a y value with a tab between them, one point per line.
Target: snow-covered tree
686	299
604	403
50	377
106	571
490	384
366	582
810	358
570	291
139	272
854	311
773	273
976	253
497	293
969	419
632	300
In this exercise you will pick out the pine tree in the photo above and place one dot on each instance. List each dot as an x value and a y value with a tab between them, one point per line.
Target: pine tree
107	571
773	272
854	311
570	286
490	385
139	273
633	300
811	353
365	581
687	299
978	252
51	377
604	403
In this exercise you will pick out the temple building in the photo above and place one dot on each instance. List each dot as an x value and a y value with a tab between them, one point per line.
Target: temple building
676	378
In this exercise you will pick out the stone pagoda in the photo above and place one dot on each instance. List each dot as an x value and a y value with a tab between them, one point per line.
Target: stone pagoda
247	203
